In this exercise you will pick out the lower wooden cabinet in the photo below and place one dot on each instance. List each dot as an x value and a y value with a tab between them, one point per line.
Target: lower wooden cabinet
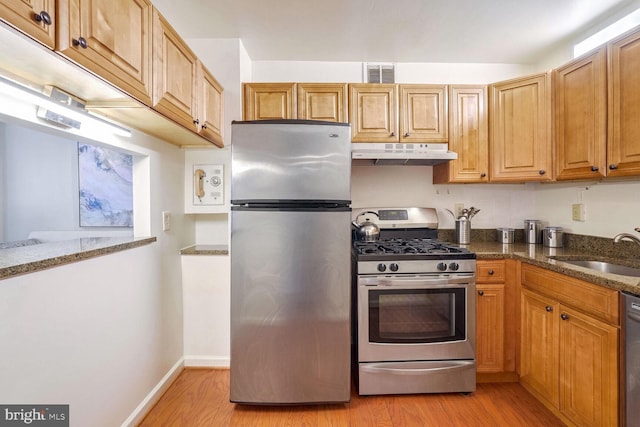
569	346
495	320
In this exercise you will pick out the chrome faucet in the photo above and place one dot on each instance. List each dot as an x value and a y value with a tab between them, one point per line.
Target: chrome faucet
627	236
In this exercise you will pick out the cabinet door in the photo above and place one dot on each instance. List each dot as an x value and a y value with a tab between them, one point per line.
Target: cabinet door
521	130
37	18
110	38
373	111
490	328
210	106
581	117
468	136
588	369
323	101
174	74
623	152
269	101
539	345
423	113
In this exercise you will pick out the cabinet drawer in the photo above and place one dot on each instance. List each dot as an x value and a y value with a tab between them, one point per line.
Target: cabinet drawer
583	296
490	271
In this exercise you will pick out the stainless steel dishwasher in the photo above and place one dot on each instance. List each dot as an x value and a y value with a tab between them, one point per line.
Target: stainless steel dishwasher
632	358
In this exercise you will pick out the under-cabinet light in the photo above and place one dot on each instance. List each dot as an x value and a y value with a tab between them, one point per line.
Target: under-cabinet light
25	94
608	33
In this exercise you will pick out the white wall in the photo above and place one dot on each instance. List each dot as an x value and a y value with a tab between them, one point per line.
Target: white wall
2	179
611	207
100	334
351	72
504	205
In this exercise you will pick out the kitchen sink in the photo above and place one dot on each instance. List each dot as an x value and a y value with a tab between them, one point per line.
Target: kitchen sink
605	267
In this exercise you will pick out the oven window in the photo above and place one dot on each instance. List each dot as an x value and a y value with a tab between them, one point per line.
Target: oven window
416	316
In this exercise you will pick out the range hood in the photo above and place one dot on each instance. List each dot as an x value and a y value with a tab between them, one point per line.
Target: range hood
403	154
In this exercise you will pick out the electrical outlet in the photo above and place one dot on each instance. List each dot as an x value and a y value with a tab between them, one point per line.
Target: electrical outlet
578	212
166	221
457	208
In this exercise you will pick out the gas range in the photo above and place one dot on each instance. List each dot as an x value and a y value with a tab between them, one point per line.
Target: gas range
413	306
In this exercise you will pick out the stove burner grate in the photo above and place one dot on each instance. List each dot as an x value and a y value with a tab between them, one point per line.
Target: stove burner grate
406	246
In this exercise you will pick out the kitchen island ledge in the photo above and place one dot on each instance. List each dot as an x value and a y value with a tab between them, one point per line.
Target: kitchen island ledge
20	260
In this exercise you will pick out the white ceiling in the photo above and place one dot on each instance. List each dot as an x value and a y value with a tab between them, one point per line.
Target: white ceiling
484	31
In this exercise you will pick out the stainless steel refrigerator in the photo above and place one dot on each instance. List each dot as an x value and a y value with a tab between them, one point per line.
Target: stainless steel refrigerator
290	262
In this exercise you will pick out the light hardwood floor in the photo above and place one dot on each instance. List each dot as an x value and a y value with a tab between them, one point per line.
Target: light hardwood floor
200	397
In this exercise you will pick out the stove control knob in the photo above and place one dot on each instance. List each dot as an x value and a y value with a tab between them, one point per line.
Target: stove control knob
454	266
382	267
442	266
393	267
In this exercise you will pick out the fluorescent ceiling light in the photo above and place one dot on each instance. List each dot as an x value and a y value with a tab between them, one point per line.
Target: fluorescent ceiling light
608	33
26	94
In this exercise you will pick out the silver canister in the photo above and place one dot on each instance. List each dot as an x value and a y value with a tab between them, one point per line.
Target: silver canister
463	231
532	231
505	235
552	237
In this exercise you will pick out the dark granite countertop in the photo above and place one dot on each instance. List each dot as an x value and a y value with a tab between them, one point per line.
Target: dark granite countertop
19	260
551	259
205	250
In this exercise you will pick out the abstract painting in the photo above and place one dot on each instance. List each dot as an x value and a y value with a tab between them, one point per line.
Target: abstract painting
106	187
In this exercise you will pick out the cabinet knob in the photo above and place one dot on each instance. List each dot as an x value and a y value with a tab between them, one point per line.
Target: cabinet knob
490	272
480	293
393	134
196	122
549	308
613	167
483	175
594	169
80	41
204	126
406	135
43	17
542	172
564	316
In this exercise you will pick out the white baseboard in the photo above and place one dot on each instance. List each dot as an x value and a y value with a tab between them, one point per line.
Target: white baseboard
152	398
206	362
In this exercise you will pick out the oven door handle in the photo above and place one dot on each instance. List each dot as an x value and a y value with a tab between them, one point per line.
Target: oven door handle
420	283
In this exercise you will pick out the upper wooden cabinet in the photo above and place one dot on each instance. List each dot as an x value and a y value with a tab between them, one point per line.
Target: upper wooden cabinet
581	117
210	109
420	116
184	90
175	69
323	101
468	136
423	113
269	101
373	112
36	18
623	149
111	39
520	127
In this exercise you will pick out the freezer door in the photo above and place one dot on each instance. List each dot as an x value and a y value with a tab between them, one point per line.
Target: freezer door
290	300
291	161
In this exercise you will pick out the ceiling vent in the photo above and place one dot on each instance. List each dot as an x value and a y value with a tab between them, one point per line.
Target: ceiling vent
380	73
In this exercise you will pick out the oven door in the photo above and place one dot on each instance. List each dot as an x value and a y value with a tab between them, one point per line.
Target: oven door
416	318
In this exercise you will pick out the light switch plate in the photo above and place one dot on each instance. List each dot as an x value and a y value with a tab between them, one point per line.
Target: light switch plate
578	212
166	221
